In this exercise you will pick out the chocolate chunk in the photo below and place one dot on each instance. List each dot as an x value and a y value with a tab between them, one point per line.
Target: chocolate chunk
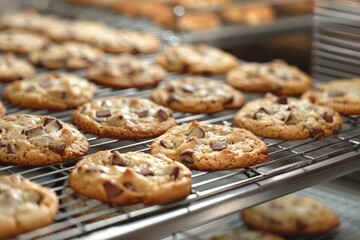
142	114
119	160
112	190
54	125
188	88
335	93
162	115
187	157
58	148
273	222
300	225
291	119
48	120
261	110
316	133
230	100
172	99
175	172
10	148
327	117
129	186
103	113
282	100
197	132
218	146
146	172
34	132
166	144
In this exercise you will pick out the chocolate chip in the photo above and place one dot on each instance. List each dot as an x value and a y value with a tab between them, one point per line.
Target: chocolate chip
175	172
230	100
188	88
58	148
335	93
103	113
291	119
282	100
172	99
316	133
119	160
198	132
327	117
166	144
112	190
48	120
162	115
300	225
187	157
54	125
34	132
129	186
10	148
261	110
142	114
146	172
218	146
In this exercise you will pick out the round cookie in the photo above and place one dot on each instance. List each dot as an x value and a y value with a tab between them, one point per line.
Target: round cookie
32	140
343	95
196	58
198	95
52	91
24	206
208	147
2	109
288	118
198	21
129	178
12	68
70	55
247	235
251	15
126	71
123	118
291	215
21	42
277	77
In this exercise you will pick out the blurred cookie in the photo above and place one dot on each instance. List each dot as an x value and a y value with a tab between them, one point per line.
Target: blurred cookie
197	95
2	109
21	42
247	235
202	3
126	71
291	215
198	21
53	91
12	68
250	15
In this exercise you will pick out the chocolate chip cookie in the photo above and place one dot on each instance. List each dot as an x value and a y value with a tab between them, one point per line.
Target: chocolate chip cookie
53	91
288	118
196	58
129	178
70	55
126	71
250	15
277	77
21	42
123	118
12	68
210	147
2	109
342	95
197	95
24	206
33	140
198	21
247	235
291	215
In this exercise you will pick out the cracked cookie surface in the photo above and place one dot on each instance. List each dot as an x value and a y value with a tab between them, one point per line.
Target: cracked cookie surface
34	140
12	68
288	118
210	147
123	118
24	206
197	95
129	178
53	91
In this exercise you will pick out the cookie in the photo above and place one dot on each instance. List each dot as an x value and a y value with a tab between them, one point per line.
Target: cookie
277	77
129	178
24	206
343	95
252	15
126	71
52	91
2	109
208	147
291	215
198	21
94	2
196	58
123	118
288	118
197	95
247	235
21	42
33	140
70	55
12	68
202	3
